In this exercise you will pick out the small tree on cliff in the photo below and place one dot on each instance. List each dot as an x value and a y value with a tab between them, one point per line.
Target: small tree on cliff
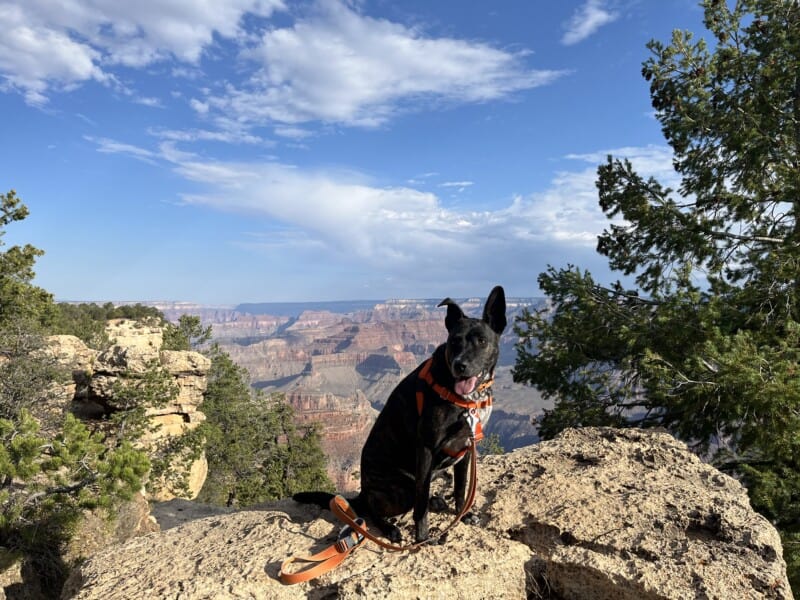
21	300
255	452
707	342
187	334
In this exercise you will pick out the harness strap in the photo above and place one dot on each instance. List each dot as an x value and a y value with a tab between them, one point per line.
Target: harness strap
472	407
355	532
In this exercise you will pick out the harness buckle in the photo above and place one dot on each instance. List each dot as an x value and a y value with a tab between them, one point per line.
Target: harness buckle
473	419
349	538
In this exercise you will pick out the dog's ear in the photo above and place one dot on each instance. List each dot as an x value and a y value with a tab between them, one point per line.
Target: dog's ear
494	311
454	313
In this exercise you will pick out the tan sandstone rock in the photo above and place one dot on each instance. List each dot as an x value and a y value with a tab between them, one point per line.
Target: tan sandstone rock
593	514
136	348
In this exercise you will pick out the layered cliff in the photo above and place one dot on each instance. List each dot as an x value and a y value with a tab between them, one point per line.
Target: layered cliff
353	360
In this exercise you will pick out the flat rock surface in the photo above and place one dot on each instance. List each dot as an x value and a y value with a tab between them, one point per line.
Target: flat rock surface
595	513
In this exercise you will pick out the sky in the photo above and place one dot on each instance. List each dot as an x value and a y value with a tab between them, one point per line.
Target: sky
227	151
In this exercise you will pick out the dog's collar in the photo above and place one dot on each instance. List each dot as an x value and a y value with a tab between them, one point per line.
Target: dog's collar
480	398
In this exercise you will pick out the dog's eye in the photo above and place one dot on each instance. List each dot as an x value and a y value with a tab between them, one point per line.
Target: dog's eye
482	341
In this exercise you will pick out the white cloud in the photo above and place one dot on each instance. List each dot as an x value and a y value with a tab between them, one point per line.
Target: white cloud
108	146
400	226
46	43
33	56
149	101
199	107
648	160
346	212
348	222
230	136
333	64
587	20
294	133
340	66
456	184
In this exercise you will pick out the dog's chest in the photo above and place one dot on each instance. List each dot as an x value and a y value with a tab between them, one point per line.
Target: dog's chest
477	418
470	425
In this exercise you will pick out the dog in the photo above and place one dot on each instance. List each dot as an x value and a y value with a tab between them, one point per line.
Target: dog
421	431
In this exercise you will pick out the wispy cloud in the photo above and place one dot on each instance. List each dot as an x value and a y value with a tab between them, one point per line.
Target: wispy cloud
340	66
230	136
109	146
587	20
149	101
294	133
403	232
395	226
650	160
459	186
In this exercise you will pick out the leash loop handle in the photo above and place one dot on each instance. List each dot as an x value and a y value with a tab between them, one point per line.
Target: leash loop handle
349	539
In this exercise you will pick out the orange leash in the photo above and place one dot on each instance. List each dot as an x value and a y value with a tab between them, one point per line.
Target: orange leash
355	531
328	558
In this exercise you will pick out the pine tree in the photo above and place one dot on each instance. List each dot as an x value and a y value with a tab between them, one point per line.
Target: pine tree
706	341
255	451
52	467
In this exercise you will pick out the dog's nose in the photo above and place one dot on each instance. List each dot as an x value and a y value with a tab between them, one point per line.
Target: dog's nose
459	368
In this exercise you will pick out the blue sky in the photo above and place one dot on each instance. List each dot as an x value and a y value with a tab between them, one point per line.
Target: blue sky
225	151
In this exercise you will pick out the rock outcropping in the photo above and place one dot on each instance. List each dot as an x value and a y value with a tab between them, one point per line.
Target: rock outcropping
595	513
136	346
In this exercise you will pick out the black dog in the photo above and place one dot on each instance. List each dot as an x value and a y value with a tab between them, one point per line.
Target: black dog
424	426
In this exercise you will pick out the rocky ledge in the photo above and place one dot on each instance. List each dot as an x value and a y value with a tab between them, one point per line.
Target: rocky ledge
595	513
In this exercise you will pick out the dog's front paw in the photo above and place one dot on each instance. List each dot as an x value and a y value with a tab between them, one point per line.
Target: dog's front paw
470	518
437	504
394	534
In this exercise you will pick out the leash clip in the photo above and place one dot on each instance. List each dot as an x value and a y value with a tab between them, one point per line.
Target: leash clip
473	419
349	538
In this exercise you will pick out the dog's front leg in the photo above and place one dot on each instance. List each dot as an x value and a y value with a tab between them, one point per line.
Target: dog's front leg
460	471
423	491
460	483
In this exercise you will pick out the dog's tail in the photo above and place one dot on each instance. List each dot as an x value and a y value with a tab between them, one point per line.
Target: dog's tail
323	499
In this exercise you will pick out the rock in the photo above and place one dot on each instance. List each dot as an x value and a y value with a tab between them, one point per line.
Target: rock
77	360
139	336
595	513
95	530
190	370
136	349
71	352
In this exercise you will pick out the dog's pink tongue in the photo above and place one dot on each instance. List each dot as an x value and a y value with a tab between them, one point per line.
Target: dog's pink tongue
465	386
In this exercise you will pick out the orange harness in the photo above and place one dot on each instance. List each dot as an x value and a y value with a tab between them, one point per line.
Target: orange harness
355	532
473	407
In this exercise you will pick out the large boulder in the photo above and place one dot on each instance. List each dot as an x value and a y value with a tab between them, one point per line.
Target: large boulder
595	513
135	349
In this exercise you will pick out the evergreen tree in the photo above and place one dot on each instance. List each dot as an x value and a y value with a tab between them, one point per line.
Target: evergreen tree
51	466
706	341
20	300
254	450
188	334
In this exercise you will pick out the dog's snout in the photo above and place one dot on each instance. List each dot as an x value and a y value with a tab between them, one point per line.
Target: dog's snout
459	367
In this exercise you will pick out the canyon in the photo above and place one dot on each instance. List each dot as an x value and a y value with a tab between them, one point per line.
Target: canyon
337	362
